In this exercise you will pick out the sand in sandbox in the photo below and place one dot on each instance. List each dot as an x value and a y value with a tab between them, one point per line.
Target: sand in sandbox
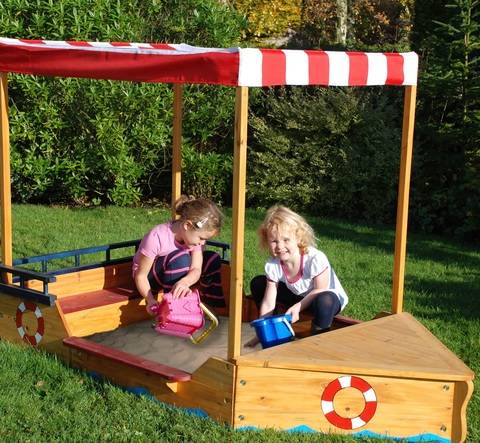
142	340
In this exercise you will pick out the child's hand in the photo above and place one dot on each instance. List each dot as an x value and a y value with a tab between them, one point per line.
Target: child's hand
294	311
151	302
180	289
252	342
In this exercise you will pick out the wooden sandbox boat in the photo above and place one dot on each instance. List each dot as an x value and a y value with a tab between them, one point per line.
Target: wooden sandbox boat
386	377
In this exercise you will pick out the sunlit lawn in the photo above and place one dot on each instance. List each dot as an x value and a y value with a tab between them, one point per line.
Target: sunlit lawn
43	400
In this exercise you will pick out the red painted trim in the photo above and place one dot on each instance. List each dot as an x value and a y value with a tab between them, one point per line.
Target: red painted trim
95	299
102	351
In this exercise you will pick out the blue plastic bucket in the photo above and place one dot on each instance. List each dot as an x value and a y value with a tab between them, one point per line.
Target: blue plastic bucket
272	331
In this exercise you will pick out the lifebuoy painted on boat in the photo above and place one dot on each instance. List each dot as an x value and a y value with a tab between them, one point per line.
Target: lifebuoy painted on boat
337	385
35	339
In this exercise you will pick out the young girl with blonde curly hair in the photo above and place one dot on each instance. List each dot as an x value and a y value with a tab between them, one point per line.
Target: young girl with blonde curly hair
297	275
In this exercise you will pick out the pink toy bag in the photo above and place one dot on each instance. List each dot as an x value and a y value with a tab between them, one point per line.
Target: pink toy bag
182	317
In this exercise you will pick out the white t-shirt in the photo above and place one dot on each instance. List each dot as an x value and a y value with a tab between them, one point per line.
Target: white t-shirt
313	263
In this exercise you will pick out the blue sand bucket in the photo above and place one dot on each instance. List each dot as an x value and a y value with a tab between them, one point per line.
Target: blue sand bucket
272	331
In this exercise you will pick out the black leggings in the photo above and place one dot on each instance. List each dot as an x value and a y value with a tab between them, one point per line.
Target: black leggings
167	270
324	306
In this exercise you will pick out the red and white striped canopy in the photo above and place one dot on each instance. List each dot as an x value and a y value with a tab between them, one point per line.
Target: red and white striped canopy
171	63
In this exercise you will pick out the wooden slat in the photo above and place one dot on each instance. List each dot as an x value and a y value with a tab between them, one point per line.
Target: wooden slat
177	145
239	180
99	350
266	397
5	191
106	318
211	389
397	345
403	195
119	275
96	299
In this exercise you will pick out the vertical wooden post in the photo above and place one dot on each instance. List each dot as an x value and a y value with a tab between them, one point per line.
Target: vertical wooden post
239	180
403	194
177	145
5	192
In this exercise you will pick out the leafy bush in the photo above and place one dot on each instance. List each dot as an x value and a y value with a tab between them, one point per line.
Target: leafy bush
207	175
269	17
328	151
89	141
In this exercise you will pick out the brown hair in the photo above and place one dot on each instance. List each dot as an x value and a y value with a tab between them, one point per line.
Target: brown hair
282	218
201	212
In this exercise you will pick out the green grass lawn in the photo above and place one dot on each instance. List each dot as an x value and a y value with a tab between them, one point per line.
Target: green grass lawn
43	400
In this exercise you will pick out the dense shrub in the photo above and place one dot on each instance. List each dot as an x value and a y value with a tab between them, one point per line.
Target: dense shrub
269	17
207	174
89	141
329	151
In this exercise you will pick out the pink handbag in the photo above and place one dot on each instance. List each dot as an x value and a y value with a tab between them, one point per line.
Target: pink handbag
182	317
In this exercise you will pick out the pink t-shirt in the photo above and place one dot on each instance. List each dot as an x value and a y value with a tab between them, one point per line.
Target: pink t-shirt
158	242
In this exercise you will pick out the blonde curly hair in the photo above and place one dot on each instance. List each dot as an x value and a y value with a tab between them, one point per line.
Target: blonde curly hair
283	219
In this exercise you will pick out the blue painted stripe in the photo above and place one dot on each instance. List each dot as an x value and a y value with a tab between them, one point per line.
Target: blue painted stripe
431	438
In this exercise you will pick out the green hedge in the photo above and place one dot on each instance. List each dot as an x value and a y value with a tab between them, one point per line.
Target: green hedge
327	151
92	142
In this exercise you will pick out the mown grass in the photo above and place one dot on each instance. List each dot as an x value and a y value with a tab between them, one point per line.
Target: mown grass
43	400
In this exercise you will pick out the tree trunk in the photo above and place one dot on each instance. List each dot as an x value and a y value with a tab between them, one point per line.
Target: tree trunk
342	20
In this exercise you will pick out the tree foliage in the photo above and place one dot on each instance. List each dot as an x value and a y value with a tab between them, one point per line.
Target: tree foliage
446	193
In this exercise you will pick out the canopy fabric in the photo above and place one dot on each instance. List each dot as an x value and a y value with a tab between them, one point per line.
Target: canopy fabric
172	63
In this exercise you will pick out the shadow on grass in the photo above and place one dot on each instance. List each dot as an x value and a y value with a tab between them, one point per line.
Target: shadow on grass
419	246
446	300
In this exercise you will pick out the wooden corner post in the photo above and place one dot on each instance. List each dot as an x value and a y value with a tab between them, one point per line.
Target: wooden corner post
239	180
5	191
177	145
403	194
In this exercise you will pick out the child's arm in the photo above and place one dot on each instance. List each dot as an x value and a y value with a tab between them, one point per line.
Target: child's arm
266	308
141	281
320	283
182	287
269	299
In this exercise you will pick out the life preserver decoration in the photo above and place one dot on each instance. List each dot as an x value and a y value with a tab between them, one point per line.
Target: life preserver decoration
349	382
34	339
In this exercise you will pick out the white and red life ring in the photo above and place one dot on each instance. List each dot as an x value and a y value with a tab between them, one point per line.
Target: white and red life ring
35	339
349	382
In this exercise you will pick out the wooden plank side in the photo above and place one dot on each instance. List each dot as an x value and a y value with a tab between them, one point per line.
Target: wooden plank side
269	397
89	280
42	323
113	354
122	374
211	390
463	393
396	345
106	318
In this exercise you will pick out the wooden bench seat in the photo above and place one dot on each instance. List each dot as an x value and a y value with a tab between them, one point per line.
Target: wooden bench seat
105	352
94	299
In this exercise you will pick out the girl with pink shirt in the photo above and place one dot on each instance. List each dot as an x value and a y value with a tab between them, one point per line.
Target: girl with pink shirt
171	257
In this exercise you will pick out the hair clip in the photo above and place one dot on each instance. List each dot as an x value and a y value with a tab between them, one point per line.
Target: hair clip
199	224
